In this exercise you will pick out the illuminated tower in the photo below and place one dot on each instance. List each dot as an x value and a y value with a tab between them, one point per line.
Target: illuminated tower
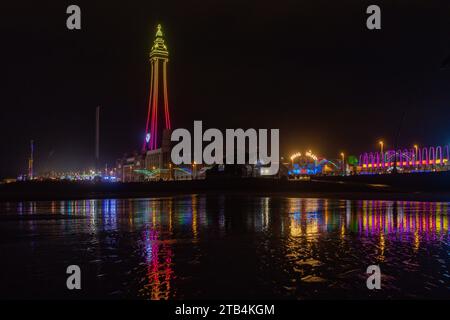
158	103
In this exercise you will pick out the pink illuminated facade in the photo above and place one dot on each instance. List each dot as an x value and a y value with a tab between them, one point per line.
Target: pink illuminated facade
424	158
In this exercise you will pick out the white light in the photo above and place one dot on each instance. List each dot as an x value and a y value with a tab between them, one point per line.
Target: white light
147	137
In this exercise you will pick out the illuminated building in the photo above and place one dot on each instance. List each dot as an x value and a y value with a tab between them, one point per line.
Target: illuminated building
127	167
149	165
158	162
408	160
158	103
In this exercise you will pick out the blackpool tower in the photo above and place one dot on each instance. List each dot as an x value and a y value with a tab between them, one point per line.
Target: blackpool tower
158	116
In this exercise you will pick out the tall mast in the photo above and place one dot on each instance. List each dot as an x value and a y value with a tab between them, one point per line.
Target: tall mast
30	161
97	137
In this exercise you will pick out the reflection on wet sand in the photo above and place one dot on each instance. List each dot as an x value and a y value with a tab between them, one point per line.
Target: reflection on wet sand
167	242
312	216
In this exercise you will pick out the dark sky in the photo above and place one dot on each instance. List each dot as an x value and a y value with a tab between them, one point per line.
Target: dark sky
310	68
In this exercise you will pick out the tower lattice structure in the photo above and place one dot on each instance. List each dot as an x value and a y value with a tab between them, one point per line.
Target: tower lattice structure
158	103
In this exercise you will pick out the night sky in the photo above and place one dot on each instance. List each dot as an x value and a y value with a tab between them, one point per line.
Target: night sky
310	68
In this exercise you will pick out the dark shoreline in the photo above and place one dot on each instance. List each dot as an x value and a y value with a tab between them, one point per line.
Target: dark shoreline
408	187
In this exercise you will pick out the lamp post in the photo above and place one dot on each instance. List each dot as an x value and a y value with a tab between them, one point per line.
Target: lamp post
381	151
343	163
416	147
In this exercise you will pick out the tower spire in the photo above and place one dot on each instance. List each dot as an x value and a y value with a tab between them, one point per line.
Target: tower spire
159	45
159	32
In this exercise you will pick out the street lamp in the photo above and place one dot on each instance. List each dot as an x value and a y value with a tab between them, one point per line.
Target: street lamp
416	147
381	150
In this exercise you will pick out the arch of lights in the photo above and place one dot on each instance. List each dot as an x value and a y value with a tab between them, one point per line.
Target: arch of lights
406	158
310	165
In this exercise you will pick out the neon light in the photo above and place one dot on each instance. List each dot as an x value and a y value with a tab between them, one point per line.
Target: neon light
296	155
426	157
311	155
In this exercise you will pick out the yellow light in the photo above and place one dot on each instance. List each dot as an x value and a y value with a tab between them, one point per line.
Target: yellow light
311	155
296	155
